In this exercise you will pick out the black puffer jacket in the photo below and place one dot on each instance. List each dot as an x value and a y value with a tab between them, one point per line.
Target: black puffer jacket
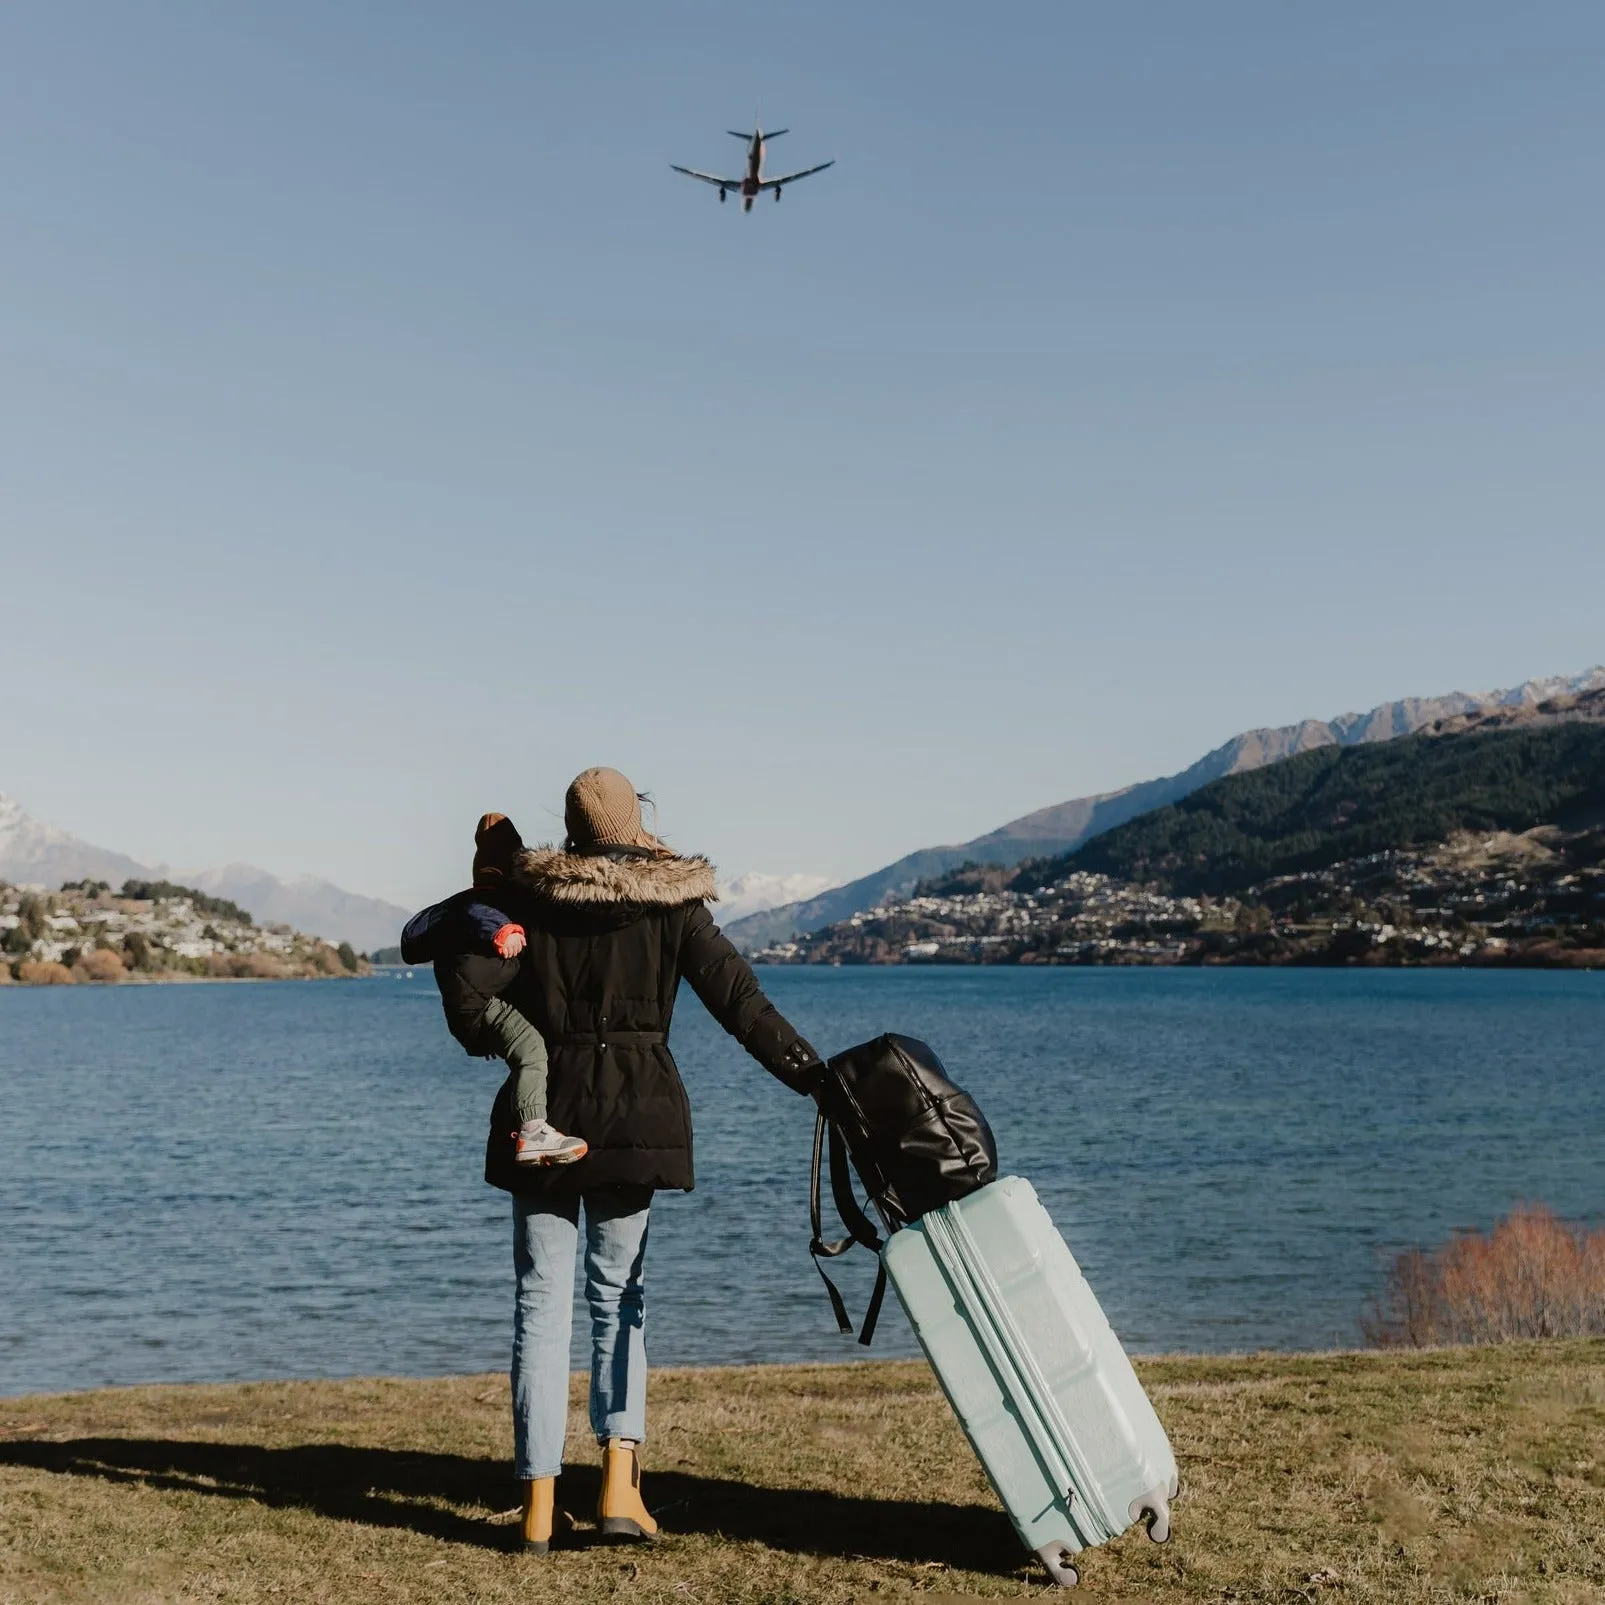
609	938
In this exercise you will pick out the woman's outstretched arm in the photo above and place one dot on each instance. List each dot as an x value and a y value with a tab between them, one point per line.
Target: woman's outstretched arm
729	990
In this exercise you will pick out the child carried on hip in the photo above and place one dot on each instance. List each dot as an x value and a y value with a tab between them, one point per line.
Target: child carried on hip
470	922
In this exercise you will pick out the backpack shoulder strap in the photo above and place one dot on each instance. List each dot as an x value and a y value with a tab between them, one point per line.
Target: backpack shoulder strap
872	1310
859	1228
817	1246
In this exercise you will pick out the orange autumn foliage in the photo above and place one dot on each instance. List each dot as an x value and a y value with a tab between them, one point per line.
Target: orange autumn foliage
1532	1276
102	965
44	972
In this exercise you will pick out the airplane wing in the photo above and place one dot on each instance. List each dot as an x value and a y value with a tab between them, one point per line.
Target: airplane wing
708	178
791	178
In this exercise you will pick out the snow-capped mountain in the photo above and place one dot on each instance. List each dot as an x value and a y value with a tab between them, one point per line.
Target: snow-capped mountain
754	892
33	853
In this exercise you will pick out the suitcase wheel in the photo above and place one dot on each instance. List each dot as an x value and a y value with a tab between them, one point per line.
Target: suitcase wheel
1156	1507
1056	1558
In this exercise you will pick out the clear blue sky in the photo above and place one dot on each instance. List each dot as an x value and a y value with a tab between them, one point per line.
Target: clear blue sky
387	433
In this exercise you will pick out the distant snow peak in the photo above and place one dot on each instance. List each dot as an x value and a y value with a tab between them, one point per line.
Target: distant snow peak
1389	720
21	833
33	853
1531	692
753	892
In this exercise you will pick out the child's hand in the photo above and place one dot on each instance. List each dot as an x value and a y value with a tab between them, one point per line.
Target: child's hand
509	941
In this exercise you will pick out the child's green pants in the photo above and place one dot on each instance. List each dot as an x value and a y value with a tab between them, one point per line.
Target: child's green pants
524	1049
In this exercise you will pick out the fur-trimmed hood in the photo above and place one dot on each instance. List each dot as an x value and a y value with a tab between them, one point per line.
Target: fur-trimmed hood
600	878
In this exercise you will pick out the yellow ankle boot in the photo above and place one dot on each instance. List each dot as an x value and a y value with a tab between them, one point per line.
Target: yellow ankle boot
619	1512
535	1525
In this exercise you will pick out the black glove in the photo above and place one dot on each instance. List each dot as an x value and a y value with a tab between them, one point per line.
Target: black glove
804	1068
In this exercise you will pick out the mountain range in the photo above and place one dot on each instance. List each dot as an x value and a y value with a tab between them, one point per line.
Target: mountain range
1062	827
35	853
1480	839
1459	775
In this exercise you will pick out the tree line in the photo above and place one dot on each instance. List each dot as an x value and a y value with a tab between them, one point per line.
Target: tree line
1338	803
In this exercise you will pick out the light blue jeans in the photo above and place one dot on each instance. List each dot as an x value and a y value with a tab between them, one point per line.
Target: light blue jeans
545	1242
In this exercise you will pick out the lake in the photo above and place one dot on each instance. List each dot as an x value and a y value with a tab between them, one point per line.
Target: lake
283	1179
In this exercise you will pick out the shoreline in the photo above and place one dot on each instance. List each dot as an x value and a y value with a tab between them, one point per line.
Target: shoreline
759	1368
1213	966
174	978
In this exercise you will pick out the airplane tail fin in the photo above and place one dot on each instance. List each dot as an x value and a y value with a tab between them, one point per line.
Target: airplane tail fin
774	133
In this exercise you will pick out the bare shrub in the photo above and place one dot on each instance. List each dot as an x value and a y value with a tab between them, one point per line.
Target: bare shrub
102	965
327	960
1531	1276
259	967
44	972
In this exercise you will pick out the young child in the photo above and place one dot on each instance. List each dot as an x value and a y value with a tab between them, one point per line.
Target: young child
470	924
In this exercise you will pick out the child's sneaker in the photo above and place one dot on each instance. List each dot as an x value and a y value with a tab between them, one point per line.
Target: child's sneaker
540	1144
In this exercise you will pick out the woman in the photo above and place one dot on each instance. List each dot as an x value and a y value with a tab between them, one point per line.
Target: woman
613	921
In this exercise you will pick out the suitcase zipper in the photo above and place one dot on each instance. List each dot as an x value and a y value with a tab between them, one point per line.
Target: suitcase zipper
1012	1358
949	1255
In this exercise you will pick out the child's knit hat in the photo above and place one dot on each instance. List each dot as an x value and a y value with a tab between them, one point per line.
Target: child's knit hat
496	844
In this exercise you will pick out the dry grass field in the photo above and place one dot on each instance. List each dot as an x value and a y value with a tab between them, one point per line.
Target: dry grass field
1451	1474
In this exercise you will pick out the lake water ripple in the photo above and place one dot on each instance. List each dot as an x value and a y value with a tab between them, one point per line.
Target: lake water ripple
283	1179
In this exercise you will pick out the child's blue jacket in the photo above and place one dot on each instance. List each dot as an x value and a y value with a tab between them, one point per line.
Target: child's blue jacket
464	923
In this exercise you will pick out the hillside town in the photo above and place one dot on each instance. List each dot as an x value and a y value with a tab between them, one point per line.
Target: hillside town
84	932
1533	899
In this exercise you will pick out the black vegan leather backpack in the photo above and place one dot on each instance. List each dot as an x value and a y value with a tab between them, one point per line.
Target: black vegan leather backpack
916	1141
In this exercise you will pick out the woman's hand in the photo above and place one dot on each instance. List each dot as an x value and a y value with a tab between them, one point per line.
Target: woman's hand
509	941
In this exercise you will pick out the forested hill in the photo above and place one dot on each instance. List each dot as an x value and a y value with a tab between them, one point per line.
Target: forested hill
1346	802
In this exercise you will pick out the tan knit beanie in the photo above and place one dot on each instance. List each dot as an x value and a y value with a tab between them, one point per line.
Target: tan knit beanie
602	810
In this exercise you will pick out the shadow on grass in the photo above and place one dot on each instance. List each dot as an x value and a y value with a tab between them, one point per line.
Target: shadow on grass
434	1494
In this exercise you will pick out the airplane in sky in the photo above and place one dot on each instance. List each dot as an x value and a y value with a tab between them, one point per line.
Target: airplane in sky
752	184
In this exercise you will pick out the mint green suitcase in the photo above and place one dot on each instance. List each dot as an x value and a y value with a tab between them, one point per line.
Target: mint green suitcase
1034	1373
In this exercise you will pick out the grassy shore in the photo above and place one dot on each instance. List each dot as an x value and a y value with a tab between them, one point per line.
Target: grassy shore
1453	1474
